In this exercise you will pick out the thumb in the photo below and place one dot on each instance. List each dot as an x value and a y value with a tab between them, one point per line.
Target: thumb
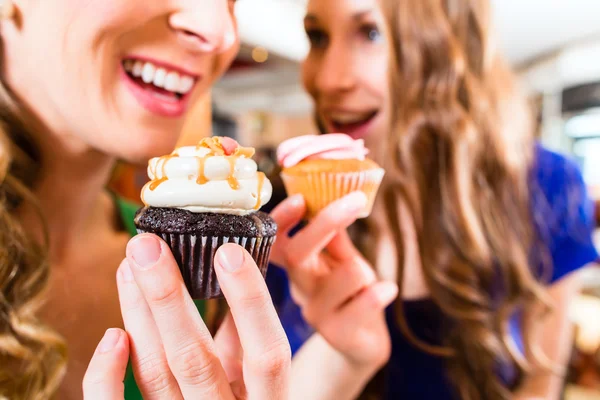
104	377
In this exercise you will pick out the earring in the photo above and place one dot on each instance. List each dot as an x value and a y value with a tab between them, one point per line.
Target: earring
8	9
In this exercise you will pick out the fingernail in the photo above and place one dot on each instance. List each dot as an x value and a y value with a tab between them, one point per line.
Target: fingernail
354	202
126	272
388	293
230	257
109	341
296	200
145	251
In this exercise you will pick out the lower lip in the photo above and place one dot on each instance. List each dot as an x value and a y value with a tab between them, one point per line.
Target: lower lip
356	131
154	104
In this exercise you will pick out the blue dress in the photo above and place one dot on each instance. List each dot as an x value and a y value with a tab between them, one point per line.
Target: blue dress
563	218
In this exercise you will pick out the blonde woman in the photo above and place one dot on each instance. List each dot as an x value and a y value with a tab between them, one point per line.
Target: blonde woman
69	108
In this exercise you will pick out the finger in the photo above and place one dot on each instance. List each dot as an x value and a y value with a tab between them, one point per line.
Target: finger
187	342
148	358
287	215
318	233
344	283
341	247
229	349
104	377
267	356
365	305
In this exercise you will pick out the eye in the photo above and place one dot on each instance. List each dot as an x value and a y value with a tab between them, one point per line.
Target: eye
371	32
317	38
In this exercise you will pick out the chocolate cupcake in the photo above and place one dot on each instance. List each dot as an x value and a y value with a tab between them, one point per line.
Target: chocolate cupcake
201	197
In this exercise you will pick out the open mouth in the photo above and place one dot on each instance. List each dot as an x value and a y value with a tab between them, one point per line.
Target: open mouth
351	123
165	84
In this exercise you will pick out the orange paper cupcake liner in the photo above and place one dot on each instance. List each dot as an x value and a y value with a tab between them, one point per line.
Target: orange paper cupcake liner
322	188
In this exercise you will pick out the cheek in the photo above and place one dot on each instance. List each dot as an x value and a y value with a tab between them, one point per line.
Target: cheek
223	61
375	76
309	74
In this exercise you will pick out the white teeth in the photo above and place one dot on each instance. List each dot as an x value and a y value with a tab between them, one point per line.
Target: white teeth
172	82
186	83
137	69
148	73
160	77
347	118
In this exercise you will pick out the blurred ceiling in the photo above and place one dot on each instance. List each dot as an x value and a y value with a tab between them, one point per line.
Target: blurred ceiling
527	30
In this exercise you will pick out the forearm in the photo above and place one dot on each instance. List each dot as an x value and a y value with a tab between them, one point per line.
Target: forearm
319	372
554	336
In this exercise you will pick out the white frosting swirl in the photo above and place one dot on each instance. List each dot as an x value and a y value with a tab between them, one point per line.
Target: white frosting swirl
195	180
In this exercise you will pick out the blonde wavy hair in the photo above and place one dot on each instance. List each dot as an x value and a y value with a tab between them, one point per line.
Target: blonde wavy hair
32	356
461	148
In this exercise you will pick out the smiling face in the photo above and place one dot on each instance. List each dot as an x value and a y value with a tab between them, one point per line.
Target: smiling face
117	76
346	69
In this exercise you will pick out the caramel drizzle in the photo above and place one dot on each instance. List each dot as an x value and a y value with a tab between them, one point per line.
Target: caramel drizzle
157	181
231	179
247	152
201	177
216	149
213	144
261	181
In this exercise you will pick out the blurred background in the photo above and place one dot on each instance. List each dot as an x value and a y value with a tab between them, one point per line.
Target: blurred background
553	44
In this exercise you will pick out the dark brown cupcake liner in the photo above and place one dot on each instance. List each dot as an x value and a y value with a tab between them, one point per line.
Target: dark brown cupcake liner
195	256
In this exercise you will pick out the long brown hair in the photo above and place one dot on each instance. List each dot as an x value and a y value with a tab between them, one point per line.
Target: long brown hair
32	356
461	151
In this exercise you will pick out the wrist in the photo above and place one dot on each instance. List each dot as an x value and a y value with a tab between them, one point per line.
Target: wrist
369	365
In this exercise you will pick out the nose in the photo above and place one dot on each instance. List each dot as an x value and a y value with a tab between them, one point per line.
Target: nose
336	73
204	26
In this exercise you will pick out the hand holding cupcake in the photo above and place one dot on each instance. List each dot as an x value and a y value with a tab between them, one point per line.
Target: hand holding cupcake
200	197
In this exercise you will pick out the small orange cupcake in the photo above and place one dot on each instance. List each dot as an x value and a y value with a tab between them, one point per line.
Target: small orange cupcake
326	168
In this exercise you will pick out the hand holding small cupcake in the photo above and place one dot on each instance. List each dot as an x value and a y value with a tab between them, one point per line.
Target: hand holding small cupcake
330	180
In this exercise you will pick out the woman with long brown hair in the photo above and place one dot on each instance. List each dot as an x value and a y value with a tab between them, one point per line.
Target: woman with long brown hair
479	226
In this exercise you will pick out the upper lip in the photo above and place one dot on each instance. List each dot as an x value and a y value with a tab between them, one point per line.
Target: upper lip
166	65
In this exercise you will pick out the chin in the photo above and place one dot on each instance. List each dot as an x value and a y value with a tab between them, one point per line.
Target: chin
148	147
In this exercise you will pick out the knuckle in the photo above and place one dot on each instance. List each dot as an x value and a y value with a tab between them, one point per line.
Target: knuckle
133	301
194	367
330	218
164	296
92	379
299	260
256	300
153	374
293	259
372	299
275	362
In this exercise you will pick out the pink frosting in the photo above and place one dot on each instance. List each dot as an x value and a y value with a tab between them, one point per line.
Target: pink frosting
333	146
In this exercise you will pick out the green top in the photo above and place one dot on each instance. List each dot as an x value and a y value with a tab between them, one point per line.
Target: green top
127	212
